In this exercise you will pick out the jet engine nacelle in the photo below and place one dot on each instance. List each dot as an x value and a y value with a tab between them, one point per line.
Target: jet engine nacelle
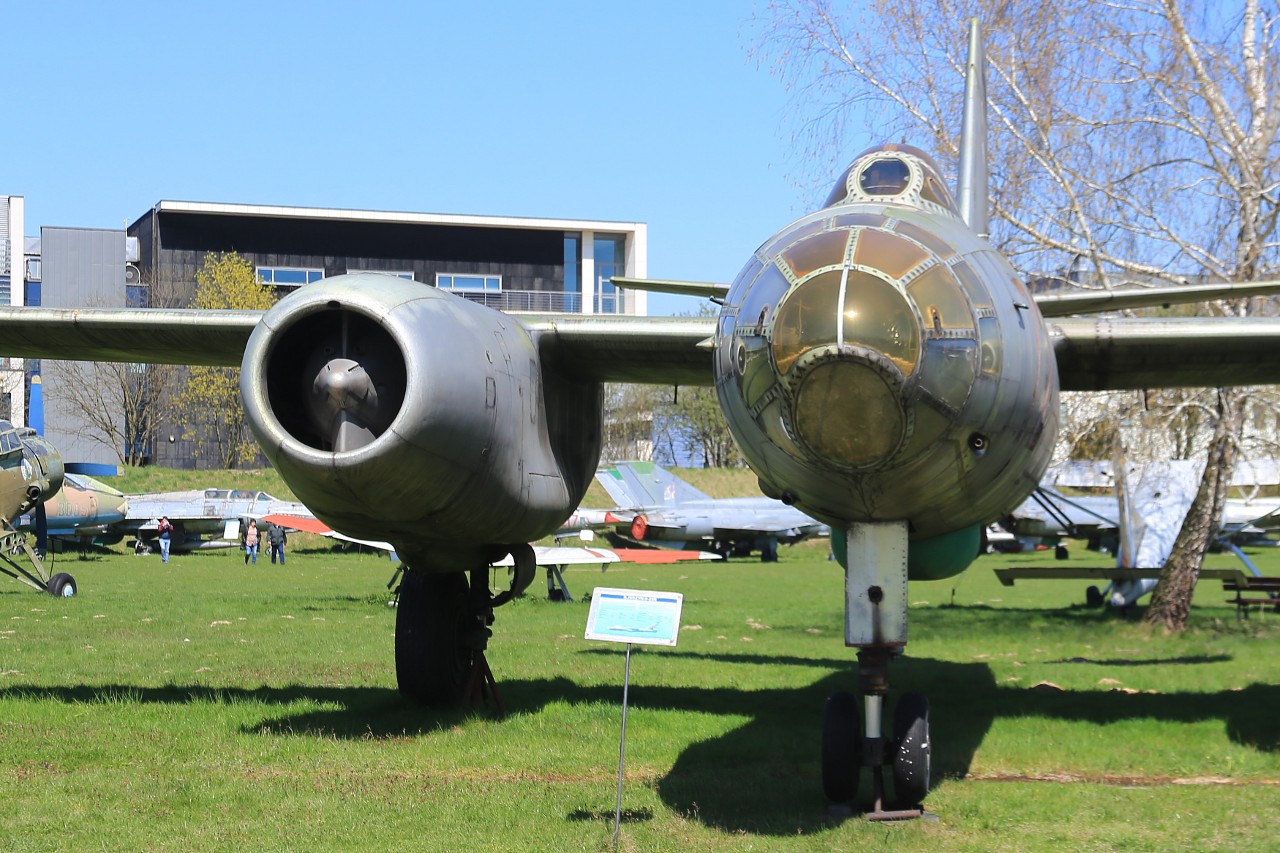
399	412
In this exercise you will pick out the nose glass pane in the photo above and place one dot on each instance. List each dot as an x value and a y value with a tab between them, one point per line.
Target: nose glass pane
877	316
806	319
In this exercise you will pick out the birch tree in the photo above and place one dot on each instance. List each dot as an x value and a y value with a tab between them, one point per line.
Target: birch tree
1131	143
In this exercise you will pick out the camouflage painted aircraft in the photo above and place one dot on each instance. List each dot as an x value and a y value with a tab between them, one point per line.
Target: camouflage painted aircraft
883	368
655	506
31	473
83	512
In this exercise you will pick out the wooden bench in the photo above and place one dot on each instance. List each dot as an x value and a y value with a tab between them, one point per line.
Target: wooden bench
1252	592
1105	573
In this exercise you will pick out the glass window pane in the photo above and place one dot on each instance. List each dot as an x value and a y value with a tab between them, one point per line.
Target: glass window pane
877	316
806	319
888	253
940	301
820	250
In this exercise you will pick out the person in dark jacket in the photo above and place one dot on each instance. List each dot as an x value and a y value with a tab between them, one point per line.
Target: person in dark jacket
276	539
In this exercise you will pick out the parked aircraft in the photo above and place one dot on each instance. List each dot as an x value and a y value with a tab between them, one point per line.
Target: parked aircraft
881	366
201	518
83	512
657	507
1141	528
31	472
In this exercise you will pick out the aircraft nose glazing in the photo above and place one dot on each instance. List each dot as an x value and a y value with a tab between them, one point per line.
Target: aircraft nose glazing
844	342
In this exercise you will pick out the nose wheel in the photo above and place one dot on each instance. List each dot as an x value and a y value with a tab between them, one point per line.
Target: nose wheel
851	741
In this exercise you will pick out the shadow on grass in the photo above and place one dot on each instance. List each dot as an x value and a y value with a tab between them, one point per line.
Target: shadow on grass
762	777
1191	659
628	815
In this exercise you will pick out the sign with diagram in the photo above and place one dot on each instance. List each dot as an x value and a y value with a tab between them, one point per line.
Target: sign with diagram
634	616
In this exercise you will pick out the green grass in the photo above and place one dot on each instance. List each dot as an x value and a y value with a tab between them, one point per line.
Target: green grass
206	705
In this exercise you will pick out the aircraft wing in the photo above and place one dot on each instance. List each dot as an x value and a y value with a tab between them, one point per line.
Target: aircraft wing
558	556
153	335
604	348
1092	354
1115	354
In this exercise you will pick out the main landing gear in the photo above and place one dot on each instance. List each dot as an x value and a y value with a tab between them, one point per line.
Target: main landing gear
442	631
876	624
13	546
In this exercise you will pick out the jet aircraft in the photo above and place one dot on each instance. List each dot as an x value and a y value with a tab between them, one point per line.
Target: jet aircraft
881	365
201	518
83	512
657	507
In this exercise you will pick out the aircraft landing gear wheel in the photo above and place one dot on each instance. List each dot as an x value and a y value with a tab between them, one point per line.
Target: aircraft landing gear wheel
913	753
434	652
62	585
841	748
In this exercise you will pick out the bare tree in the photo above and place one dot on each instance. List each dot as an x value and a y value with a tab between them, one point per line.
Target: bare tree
115	404
1131	142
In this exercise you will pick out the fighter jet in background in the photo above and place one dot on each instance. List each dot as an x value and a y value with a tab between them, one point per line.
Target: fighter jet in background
201	518
656	507
83	512
882	367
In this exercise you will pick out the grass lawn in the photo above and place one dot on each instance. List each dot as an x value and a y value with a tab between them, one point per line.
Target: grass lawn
206	705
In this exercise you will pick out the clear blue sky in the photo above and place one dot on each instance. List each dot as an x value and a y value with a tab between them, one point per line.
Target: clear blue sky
653	112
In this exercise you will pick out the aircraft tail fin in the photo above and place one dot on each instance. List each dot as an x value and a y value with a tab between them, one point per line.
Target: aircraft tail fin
641	484
972	192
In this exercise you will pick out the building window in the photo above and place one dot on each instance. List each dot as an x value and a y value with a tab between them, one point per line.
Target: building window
469	283
288	276
611	258
407	276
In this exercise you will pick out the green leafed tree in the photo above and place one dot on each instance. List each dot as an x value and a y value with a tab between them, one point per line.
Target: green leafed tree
208	407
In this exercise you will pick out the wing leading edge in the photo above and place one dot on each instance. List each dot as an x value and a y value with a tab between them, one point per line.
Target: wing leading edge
152	335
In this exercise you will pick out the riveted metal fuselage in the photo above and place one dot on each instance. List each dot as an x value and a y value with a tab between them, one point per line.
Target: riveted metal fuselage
878	361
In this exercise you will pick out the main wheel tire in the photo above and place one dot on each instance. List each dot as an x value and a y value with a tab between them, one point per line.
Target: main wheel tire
841	748
914	751
433	656
62	585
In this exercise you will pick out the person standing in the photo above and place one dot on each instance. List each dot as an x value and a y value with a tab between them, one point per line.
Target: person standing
249	539
276	540
165	532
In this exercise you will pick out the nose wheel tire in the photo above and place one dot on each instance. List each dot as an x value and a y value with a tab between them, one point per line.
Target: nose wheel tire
841	748
62	585
912	756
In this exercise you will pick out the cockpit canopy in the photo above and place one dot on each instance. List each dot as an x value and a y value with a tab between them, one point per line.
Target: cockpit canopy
891	171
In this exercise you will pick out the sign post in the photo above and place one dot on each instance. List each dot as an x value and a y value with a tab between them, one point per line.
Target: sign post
632	616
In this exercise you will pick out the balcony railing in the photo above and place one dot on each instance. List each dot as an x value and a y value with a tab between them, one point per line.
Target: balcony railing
546	301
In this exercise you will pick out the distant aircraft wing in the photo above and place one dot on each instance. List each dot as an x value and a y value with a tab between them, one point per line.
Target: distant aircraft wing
653	556
1115	353
557	556
298	522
